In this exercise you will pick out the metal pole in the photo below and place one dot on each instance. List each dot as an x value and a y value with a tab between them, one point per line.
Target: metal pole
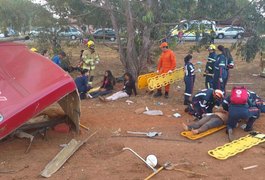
126	148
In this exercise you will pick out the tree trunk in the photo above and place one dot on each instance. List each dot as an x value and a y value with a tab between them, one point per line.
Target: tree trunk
131	54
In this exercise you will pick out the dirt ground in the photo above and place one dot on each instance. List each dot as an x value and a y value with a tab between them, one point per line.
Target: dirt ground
102	156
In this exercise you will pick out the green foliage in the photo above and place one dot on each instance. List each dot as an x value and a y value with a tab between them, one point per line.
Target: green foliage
21	14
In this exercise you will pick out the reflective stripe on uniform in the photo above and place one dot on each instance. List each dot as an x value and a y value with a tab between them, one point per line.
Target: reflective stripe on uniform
187	94
200	94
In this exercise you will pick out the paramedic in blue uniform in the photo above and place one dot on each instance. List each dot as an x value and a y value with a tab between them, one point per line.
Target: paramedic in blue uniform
189	79
239	111
209	69
204	102
220	70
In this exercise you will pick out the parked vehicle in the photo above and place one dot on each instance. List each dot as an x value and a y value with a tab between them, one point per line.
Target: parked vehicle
70	32
105	33
235	32
35	32
190	28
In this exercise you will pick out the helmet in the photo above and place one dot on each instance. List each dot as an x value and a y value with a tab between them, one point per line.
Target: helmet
218	94
33	49
212	47
90	44
164	44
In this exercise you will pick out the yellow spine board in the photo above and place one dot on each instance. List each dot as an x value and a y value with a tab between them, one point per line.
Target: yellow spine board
190	135
236	146
165	79
142	79
94	89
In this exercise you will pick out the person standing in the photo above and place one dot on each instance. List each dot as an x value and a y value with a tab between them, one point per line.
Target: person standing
166	64
89	60
220	70
209	69
189	79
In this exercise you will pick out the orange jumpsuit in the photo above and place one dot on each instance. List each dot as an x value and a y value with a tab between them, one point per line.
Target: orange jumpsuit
167	61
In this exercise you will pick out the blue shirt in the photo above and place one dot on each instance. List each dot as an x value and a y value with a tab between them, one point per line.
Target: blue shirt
56	59
81	84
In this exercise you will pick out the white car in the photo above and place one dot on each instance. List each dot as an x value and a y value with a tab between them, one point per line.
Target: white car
230	32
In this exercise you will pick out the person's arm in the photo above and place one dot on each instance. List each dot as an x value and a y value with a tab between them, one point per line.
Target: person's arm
159	65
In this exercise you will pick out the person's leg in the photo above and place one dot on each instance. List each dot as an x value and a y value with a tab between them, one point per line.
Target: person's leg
212	123
103	93
199	123
188	90
167	87
254	114
117	95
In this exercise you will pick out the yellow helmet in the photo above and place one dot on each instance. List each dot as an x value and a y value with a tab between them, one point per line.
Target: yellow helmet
90	44
212	47
33	49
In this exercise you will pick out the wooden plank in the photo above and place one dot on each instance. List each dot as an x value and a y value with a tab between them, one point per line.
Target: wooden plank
63	156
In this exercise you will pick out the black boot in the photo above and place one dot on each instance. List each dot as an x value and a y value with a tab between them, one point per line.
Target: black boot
158	93
166	95
250	123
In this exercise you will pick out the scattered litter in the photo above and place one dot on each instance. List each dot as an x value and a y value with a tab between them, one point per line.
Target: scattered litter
199	62
159	103
148	134
140	110
63	156
255	75
117	133
177	115
178	87
154	112
250	167
63	145
129	102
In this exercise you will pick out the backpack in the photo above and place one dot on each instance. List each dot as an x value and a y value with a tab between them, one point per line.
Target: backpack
239	95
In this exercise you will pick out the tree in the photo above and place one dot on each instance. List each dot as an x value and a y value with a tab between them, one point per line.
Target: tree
21	14
139	24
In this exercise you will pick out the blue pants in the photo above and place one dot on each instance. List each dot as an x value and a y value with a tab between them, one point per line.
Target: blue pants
236	113
189	84
100	93
208	82
254	114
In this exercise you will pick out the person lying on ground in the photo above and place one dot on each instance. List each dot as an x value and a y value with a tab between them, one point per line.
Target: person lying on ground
128	89
209	121
106	87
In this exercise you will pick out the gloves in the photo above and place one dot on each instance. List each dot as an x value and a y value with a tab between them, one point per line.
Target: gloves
221	80
170	71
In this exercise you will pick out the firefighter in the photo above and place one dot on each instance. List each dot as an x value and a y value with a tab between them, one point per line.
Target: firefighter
204	101
189	79
89	60
220	70
166	64
209	69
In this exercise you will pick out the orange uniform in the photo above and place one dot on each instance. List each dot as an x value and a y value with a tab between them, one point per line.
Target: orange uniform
167	61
